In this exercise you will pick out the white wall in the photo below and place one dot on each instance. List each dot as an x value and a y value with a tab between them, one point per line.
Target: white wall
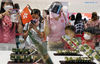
75	5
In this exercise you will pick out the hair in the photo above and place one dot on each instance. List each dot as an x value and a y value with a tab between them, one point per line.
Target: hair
2	11
85	20
37	11
70	27
47	12
72	17
2	5
78	18
16	6
94	16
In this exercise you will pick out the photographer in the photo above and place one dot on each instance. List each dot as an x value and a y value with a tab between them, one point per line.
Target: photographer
7	27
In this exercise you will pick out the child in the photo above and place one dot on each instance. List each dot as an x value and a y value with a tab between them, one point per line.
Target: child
89	37
70	41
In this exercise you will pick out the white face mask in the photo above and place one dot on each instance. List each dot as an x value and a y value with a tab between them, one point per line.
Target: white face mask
8	7
53	15
87	37
67	37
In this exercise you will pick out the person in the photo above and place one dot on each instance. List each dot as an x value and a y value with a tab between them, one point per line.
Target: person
89	37
54	27
7	27
70	31
70	36
94	22
19	25
72	20
45	13
79	24
85	20
32	27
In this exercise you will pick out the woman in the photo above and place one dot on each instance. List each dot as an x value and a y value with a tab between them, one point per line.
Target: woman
79	24
89	37
7	27
54	28
94	22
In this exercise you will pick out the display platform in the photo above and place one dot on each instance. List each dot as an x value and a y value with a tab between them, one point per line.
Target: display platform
5	57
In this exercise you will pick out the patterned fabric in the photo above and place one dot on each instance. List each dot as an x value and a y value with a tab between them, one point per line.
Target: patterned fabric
8	35
90	43
79	28
71	44
36	37
92	24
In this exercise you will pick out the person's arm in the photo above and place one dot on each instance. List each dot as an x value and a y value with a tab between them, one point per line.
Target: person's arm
29	7
20	27
46	27
3	14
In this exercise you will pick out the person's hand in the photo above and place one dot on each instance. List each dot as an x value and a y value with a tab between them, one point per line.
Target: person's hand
30	26
29	6
6	13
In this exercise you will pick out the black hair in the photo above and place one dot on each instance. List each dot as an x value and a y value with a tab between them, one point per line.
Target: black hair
2	5
72	17
16	6
94	16
36	11
2	11
70	27
40	21
78	18
47	12
85	20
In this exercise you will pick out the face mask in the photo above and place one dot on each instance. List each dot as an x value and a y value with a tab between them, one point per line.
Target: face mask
53	15
67	37
87	37
34	21
8	7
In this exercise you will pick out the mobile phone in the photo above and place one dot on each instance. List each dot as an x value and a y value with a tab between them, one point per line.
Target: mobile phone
33	21
14	11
